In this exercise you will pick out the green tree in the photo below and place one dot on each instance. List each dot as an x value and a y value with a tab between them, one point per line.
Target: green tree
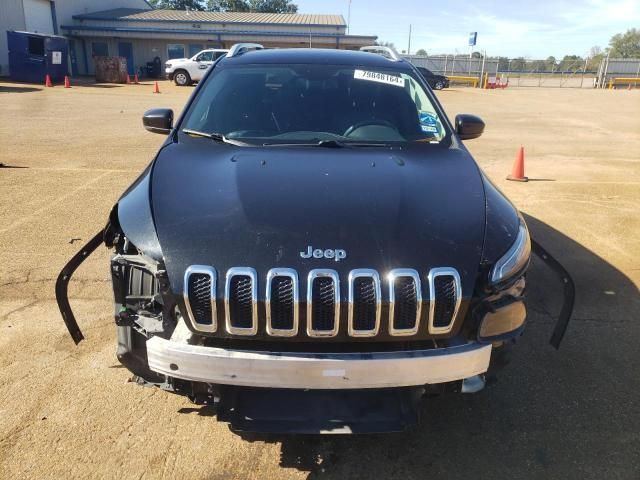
421	52
571	63
261	6
177	4
518	64
595	58
386	44
625	45
550	63
503	64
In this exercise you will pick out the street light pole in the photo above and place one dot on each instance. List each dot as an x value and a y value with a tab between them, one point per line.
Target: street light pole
349	17
409	47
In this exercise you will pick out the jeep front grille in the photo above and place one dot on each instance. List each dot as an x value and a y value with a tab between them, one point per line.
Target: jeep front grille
445	295
323	303
200	296
405	301
281	302
405	289
364	303
241	301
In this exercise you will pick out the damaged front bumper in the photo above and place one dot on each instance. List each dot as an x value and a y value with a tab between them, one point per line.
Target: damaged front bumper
355	370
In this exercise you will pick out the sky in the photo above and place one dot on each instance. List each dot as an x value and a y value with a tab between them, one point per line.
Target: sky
511	28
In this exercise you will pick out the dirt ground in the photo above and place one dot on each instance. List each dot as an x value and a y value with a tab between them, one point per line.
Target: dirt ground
70	412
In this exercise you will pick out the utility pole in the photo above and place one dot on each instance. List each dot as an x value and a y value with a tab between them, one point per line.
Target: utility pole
409	47
349	17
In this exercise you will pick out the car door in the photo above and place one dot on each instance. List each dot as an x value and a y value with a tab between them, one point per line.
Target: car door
204	60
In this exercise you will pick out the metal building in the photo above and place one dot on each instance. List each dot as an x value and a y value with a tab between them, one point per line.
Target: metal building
46	17
141	35
133	29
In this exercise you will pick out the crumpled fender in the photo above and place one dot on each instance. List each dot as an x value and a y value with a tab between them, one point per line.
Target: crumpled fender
569	291
62	285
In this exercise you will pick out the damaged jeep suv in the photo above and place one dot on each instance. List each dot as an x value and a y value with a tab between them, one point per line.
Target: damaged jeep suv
313	249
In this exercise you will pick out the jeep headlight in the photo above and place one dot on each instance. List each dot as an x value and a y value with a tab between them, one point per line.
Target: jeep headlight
515	260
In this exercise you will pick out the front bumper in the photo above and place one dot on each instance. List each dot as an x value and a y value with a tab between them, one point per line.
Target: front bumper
316	371
169	75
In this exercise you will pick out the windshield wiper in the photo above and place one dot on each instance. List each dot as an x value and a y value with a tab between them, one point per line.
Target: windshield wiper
327	144
217	137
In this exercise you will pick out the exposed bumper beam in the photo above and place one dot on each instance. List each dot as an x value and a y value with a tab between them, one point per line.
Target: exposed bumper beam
316	371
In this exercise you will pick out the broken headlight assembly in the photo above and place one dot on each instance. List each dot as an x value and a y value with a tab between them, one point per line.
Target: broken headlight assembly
503	313
514	262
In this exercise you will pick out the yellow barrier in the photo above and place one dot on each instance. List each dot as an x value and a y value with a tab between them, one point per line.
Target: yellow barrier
615	81
456	78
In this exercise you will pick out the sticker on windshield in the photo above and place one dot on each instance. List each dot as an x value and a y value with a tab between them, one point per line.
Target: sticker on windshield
428	122
378	77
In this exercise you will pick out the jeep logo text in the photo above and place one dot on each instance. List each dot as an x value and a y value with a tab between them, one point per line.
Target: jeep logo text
336	254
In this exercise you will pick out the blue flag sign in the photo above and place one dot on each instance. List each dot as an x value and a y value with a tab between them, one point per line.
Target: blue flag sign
473	36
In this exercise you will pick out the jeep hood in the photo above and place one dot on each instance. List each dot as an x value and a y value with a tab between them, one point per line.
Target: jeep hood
225	206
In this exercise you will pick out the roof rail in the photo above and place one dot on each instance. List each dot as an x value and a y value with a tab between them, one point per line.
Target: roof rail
386	52
240	48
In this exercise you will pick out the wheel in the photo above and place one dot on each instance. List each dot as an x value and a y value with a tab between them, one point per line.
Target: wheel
439	85
182	78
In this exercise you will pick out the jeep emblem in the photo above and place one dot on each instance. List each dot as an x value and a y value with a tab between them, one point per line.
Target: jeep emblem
337	254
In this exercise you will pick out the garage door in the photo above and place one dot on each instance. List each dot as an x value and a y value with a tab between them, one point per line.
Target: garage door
37	16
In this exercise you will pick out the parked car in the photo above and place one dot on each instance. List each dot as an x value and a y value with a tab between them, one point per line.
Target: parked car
435	81
313	249
185	71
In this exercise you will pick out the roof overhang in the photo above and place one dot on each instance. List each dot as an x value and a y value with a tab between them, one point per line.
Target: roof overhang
159	33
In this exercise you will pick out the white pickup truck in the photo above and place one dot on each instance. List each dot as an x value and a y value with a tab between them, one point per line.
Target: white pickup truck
185	71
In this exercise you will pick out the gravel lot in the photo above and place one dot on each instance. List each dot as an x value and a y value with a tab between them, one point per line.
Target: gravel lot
68	411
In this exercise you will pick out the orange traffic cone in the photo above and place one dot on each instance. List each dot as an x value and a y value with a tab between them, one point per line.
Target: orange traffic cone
128	80
67	82
47	81
135	79
517	173
156	89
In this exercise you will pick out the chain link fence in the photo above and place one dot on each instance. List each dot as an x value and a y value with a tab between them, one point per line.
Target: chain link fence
520	72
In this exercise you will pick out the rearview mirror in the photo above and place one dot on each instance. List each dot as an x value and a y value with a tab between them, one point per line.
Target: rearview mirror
158	120
469	126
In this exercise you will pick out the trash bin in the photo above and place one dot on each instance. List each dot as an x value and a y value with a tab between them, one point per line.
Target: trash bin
32	56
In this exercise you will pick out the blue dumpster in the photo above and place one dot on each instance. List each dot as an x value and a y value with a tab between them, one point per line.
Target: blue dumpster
33	55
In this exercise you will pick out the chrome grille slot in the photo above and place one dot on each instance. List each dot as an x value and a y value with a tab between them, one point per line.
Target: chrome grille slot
405	301
241	296
445	295
323	303
364	303
282	302
199	293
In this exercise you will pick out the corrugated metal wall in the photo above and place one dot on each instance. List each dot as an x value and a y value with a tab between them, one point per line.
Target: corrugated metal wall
37	16
11	18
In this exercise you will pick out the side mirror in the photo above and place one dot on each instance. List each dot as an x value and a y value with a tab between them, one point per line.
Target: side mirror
158	120
468	126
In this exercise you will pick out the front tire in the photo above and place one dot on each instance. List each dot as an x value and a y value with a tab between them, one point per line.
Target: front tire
439	85
182	78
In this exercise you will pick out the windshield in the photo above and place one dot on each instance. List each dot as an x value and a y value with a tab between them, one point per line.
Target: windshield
269	104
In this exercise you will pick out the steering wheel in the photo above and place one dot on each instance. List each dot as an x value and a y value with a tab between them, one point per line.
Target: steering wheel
367	123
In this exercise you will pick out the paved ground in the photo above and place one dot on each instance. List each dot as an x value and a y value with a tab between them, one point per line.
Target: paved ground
69	411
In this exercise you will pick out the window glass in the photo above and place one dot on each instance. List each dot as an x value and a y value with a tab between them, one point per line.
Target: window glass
35	46
99	49
310	103
175	50
194	48
205	57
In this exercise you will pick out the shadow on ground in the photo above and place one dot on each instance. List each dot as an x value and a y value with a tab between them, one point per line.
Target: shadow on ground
16	89
571	413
